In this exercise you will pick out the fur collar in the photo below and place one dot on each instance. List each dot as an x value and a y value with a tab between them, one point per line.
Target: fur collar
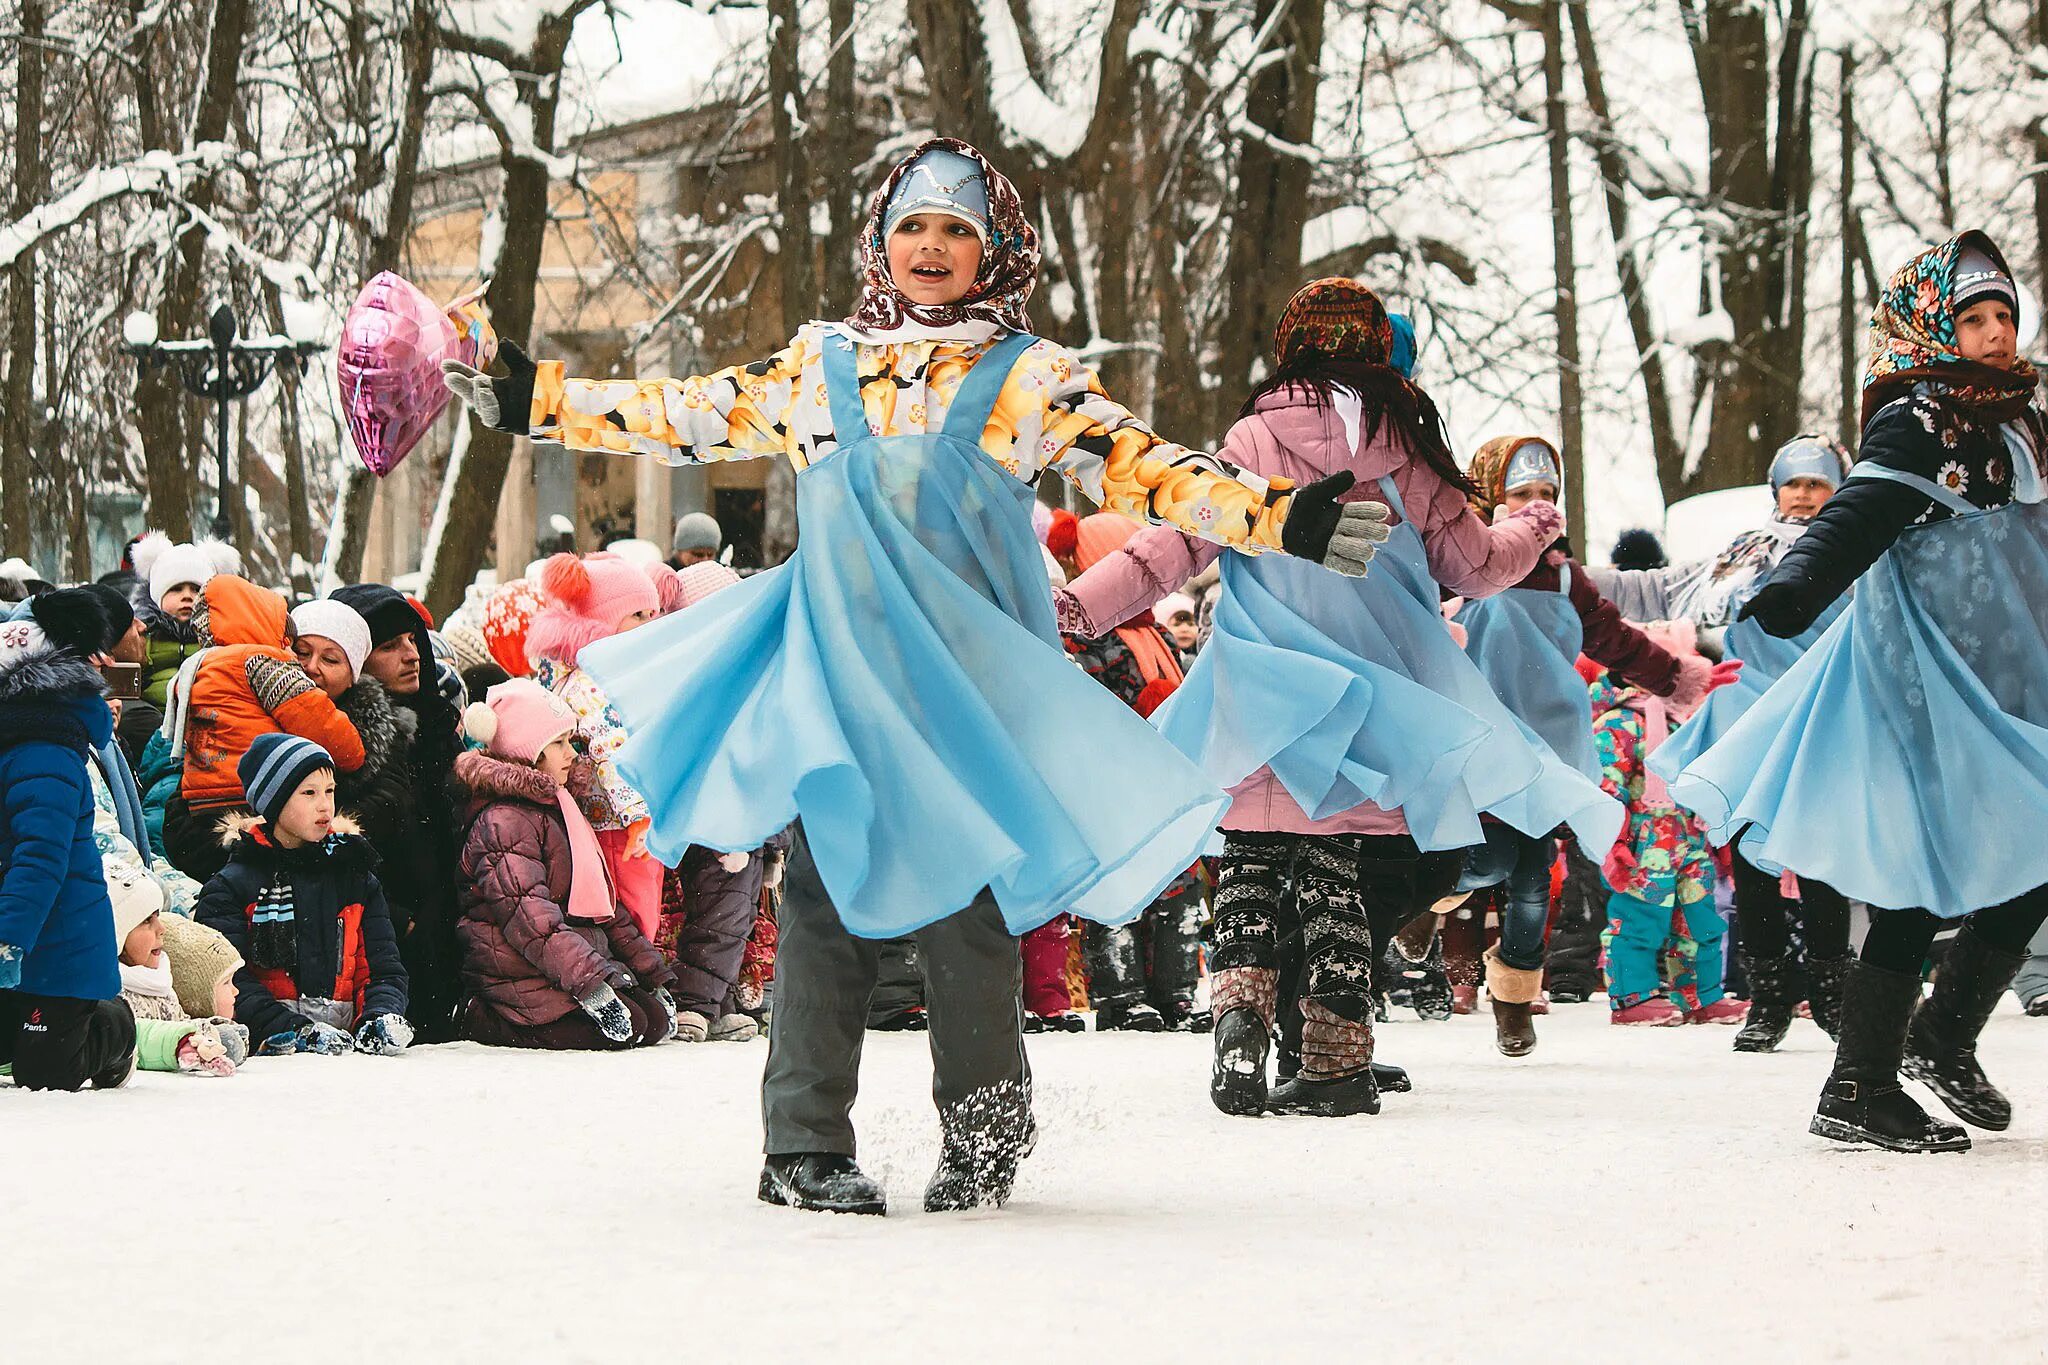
247	836
481	777
368	706
48	675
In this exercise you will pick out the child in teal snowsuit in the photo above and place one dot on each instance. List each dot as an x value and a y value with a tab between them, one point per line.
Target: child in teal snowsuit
1664	931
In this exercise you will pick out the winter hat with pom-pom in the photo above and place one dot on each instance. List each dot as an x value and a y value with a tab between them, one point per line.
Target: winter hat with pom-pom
1064	535
508	616
641	552
164	565
668	589
339	622
699	581
200	959
1638	548
518	719
587	598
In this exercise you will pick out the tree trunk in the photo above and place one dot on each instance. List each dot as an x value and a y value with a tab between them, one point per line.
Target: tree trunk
467	512
2039	135
842	149
1269	206
955	61
1564	264
1664	443
298	496
796	271
350	532
18	435
159	398
1850	424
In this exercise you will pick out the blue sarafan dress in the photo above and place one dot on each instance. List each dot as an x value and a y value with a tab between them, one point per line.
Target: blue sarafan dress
1352	690
1526	643
1904	759
899	685
1765	659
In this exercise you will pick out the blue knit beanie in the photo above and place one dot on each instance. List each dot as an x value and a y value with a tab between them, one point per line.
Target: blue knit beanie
273	768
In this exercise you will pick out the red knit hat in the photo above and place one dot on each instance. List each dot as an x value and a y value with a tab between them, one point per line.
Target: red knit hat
508	615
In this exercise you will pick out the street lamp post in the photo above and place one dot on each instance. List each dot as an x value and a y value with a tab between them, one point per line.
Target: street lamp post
223	367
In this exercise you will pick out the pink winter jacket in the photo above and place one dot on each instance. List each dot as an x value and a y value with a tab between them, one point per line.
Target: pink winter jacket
1290	434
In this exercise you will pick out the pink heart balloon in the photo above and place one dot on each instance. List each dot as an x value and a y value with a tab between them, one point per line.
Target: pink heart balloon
389	364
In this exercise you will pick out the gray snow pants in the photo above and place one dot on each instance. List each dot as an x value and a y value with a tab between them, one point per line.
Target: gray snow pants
824	977
2032	982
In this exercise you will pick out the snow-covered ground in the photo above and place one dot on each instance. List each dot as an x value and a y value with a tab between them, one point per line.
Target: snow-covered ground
1622	1195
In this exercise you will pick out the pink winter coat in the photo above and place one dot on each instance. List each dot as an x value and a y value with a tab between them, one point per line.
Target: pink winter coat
1292	435
522	954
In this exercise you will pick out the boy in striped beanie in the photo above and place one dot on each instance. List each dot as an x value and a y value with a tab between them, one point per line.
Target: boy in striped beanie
300	903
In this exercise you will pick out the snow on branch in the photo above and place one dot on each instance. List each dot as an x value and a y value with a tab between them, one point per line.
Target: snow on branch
153	173
1030	116
1273	142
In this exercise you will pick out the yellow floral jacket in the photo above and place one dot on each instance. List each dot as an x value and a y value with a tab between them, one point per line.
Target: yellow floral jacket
1052	414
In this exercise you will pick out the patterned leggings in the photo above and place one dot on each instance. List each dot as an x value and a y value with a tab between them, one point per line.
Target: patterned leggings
1350	893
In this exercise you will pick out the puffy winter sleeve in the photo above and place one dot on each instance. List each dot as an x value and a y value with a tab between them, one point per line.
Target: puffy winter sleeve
1055	407
223	906
1615	643
1617	740
637	951
1468	556
301	708
507	861
389	990
742	412
42	787
1647	594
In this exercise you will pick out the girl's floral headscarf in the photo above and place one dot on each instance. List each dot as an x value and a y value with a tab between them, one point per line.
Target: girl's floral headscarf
1009	261
1913	339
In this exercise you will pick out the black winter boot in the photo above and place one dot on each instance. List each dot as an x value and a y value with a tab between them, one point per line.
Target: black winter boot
1428	986
1327	1099
1941	1047
987	1136
1862	1101
1770	1003
1237	1079
1824	978
1391	1078
823	1182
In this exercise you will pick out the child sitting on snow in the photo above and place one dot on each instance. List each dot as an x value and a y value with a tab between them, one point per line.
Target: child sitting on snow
300	902
550	959
166	1039
1664	931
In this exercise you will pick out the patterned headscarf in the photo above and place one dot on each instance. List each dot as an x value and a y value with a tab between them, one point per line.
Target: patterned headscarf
1489	469
1336	318
1913	339
1009	262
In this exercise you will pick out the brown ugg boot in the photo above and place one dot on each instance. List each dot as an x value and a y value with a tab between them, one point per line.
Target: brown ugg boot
1513	991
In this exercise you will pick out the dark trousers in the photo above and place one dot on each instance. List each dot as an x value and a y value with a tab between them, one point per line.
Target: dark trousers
1152	960
899	981
58	1043
1898	940
573	1032
1341	895
1768	917
825	976
718	918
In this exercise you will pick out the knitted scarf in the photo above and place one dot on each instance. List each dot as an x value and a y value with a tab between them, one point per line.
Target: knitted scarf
1009	263
1913	340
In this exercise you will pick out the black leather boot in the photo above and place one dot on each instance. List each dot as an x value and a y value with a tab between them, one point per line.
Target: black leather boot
823	1182
987	1136
1824	978
1862	1101
1941	1047
1327	1099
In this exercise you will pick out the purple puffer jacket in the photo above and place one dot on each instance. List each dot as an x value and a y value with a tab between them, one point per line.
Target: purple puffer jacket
521	953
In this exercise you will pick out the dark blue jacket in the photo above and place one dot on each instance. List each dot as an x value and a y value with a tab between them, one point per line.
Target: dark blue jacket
53	892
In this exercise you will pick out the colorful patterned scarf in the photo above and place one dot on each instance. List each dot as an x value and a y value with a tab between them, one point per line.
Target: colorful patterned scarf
1913	339
1489	469
1009	263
